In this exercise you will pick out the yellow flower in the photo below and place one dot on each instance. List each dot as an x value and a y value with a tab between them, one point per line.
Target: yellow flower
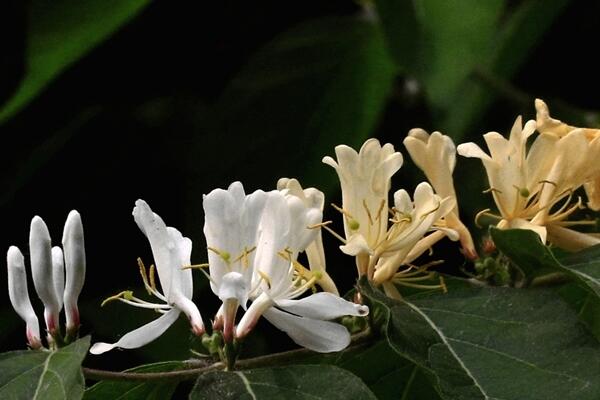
435	155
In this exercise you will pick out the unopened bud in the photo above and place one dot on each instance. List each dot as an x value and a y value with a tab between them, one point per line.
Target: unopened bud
74	255
19	296
40	250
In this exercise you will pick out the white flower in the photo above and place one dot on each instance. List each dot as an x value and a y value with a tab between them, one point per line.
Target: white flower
315	253
171	253
48	273
231	230
365	180
435	155
284	232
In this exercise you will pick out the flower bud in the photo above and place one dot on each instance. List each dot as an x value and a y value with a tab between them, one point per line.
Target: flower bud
19	296
74	256
41	269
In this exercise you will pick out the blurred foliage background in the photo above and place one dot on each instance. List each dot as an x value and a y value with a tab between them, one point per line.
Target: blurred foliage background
104	102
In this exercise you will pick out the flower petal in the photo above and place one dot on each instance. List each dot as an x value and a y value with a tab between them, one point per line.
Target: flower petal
140	336
313	334
323	306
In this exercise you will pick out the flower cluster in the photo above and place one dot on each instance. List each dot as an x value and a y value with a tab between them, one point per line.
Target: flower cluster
254	240
386	240
58	277
533	179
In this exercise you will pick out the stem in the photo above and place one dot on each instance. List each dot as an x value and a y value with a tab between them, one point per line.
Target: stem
553	278
191	370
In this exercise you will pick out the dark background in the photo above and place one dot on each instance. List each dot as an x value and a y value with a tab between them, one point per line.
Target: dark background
189	96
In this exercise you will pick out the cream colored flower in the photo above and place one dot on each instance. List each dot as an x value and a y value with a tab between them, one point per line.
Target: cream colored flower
435	155
533	187
405	241
547	125
365	180
312	198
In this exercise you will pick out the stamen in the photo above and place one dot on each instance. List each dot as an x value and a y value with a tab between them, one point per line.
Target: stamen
144	275
319	225
364	203
118	296
485	212
334	233
221	253
265	277
341	210
195	266
152	280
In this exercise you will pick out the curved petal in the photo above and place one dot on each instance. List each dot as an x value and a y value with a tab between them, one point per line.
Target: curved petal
356	245
471	150
323	306
313	334
140	336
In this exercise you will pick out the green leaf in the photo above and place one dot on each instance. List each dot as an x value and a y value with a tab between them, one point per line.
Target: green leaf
493	343
294	382
60	33
456	37
336	76
144	390
525	249
522	30
36	374
385	372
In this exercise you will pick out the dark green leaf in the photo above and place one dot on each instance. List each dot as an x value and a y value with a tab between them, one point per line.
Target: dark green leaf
335	74
522	30
386	373
294	382
402	32
525	249
40	375
60	33
145	390
494	343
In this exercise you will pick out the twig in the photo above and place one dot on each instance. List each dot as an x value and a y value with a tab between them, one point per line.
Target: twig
191	371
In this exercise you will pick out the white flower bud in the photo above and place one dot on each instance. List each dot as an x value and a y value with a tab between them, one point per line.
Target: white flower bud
41	269
19	296
74	255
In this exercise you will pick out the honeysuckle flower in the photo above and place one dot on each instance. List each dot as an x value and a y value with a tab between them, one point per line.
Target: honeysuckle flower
314	252
286	228
533	187
547	125
48	273
19	296
435	155
514	174
405	241
365	180
171	253
231	230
